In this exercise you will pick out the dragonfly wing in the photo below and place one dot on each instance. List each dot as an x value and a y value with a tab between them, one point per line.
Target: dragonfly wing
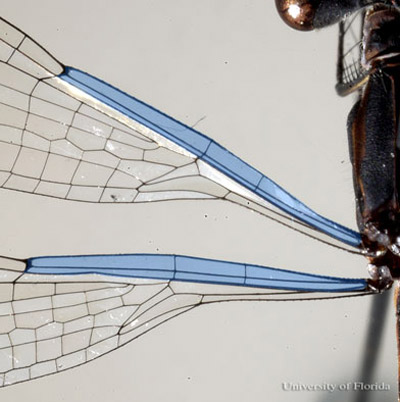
351	74
60	312
51	324
66	134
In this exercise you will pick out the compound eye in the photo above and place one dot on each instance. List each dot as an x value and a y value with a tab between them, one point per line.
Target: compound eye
298	14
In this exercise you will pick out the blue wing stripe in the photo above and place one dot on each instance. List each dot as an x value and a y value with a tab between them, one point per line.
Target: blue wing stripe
139	111
228	163
191	269
209	151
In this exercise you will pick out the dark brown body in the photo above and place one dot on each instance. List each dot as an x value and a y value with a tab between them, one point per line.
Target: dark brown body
373	127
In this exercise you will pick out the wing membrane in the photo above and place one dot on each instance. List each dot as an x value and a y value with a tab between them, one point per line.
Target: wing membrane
350	73
68	135
60	312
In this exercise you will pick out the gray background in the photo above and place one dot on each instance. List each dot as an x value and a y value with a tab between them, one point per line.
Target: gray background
236	72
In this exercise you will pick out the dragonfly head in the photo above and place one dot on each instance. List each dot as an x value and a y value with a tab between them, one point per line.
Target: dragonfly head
306	15
381	35
298	14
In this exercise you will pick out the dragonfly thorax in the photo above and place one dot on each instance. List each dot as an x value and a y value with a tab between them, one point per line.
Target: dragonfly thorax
381	37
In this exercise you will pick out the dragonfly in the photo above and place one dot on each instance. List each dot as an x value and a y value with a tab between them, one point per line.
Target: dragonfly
33	261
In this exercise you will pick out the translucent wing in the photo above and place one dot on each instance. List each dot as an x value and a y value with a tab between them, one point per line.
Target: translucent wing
60	312
350	72
66	134
80	139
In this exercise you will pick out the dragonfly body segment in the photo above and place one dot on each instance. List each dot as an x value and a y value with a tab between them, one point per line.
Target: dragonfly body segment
373	136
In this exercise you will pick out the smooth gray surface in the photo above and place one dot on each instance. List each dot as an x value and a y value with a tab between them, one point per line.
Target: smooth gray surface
237	73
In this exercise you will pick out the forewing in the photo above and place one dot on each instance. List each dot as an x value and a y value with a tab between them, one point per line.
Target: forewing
56	145
68	135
